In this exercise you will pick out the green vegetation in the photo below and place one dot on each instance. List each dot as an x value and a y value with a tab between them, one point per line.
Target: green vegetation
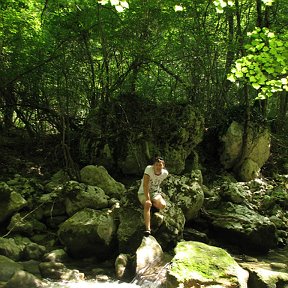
63	61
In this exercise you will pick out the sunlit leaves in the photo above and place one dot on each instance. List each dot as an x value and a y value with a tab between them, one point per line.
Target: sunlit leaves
120	6
268	2
222	4
265	65
178	8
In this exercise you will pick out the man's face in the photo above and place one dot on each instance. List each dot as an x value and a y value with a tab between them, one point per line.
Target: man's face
158	167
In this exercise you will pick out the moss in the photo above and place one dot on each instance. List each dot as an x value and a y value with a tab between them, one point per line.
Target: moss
198	260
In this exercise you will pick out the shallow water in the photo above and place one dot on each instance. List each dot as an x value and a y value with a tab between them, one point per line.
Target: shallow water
90	284
278	255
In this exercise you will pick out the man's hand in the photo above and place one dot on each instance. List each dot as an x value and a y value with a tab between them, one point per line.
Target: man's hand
148	203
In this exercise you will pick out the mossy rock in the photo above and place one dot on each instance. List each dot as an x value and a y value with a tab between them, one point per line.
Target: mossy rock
196	264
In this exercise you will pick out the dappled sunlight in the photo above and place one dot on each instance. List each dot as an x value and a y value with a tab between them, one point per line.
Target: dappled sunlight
88	222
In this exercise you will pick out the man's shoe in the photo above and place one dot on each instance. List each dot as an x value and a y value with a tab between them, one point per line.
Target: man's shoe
147	233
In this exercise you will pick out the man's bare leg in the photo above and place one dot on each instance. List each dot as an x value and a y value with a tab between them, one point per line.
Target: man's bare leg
147	215
159	202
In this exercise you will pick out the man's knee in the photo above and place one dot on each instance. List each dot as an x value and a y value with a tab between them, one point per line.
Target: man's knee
147	205
160	204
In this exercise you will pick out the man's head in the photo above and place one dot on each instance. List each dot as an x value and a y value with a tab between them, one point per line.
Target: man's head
158	164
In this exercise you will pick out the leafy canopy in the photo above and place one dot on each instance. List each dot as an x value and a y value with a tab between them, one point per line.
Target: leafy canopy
120	6
265	65
222	4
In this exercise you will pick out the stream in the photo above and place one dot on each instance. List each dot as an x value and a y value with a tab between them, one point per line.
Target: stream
91	284
279	255
274	256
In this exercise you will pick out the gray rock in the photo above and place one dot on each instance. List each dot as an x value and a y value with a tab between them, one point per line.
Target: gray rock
176	158
8	268
148	254
52	270
124	267
249	170
244	227
232	143
58	271
257	150
98	176
185	193
130	230
33	251
57	181
79	196
9	248
58	255
31	266
151	263
121	264
261	275
26	225
10	204
233	192
172	226
89	233
24	279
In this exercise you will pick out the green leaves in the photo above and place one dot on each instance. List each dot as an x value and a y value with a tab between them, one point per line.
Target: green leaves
120	6
268	2
221	4
265	65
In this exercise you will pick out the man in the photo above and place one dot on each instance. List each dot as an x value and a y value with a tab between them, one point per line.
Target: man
149	192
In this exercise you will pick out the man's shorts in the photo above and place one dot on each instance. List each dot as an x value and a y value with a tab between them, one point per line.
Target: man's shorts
142	197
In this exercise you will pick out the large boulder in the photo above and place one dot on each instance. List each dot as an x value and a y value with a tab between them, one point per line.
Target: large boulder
186	194
168	225
89	233
134	141
25	280
256	152
11	249
98	176
136	159
10	202
33	251
232	142
197	264
131	228
262	275
149	253
148	264
26	225
80	195
249	170
151	264
239	225
8	268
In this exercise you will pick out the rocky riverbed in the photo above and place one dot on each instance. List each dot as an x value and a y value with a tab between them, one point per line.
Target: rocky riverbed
91	231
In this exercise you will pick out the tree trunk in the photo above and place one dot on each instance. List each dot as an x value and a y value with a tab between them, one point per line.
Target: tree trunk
93	99
9	102
282	112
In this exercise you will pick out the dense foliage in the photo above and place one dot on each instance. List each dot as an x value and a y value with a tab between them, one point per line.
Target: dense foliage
61	60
